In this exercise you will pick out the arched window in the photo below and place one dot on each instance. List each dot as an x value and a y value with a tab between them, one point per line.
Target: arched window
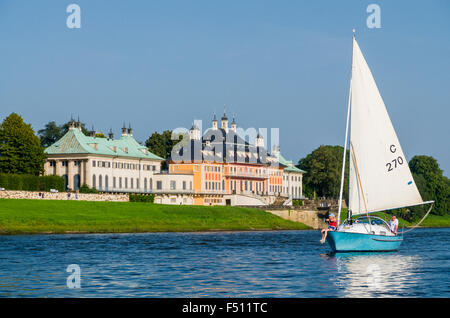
145	184
150	185
94	185
100	184
106	183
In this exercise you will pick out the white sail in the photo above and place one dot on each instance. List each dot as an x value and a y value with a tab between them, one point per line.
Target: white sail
380	178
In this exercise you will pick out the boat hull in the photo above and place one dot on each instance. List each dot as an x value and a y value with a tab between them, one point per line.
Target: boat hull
358	242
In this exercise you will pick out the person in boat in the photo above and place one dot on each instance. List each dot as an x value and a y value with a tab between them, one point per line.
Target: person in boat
393	224
332	225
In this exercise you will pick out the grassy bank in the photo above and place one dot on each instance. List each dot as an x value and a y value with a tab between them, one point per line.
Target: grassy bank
430	221
52	216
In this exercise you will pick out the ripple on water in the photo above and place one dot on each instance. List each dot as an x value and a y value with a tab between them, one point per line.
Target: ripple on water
221	264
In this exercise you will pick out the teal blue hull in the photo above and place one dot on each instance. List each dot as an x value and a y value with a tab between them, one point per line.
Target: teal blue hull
356	242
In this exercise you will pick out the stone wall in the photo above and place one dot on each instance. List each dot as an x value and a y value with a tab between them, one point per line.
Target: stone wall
308	217
9	194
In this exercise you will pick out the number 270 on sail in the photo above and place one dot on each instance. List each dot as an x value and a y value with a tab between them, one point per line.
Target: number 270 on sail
393	164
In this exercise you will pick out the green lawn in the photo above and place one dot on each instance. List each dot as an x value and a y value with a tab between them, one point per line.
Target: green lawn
431	220
52	216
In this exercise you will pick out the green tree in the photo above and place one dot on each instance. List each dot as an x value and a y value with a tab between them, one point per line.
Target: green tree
323	172
53	132
432	185
50	134
162	144
20	149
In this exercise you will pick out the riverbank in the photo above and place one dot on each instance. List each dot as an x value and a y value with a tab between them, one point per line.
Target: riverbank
19	216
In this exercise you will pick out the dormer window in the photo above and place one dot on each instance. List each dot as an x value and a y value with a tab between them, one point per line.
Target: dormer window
95	146
113	148
125	149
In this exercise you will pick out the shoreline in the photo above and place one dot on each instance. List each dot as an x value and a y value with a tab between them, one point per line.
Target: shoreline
2	233
55	217
22	216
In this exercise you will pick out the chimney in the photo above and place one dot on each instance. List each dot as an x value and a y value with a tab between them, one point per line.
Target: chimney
110	134
71	123
124	130
130	131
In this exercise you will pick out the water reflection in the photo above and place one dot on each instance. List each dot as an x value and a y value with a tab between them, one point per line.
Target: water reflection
375	274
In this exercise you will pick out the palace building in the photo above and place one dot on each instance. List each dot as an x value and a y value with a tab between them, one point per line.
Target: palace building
217	167
228	170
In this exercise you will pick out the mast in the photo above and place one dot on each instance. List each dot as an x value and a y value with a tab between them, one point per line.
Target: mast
345	143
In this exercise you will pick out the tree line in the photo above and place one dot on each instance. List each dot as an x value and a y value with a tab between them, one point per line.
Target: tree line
22	152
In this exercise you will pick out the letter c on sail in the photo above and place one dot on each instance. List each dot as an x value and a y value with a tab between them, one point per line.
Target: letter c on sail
393	149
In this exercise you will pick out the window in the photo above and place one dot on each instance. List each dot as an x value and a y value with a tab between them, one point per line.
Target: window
126	183
131	183
106	183
114	182
172	184
52	163
100	181
93	181
159	185
184	185
120	182
93	163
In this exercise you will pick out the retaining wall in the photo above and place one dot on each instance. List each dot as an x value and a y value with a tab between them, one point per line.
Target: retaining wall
9	194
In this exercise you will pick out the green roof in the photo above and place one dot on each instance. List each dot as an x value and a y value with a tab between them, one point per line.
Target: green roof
75	142
289	164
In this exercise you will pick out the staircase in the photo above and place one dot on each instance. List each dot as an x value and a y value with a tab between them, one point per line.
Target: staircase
279	201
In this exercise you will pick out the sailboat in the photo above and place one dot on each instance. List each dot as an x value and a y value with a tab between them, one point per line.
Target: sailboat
379	175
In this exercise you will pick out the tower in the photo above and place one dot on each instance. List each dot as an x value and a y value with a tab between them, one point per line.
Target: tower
259	141
224	121
214	122
194	132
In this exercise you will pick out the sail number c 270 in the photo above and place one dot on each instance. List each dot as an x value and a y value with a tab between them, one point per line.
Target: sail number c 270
394	163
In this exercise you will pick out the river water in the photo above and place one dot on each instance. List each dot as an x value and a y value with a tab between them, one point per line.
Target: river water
220	264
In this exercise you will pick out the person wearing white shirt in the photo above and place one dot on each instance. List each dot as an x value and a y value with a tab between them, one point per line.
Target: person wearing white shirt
393	224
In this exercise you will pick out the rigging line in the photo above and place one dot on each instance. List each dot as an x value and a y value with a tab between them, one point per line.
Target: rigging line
341	190
359	181
429	210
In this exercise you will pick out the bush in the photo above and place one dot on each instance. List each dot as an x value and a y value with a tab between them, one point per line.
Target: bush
150	198
85	189
297	202
27	182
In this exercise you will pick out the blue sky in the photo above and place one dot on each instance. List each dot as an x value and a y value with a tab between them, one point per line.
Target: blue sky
285	64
